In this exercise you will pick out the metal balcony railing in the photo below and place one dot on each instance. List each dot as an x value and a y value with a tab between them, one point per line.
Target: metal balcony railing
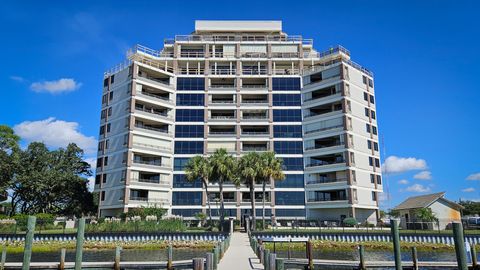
325	180
222	71
192	54
325	163
166	99
323	129
248	71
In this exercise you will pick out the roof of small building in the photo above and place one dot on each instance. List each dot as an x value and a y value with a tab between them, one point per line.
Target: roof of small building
424	201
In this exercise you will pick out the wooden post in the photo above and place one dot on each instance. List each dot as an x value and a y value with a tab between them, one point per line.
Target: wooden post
222	249
209	261
27	253
63	253
169	257
279	264
474	256
361	253
79	246
396	244
261	251
272	260
118	250
197	263
215	258
459	246
4	257
414	258
266	259
289	252
310	255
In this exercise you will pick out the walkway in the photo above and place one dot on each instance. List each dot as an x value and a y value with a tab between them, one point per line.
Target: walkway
239	255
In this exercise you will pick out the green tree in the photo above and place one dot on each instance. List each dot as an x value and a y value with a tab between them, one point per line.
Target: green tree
9	158
425	215
249	167
471	208
199	168
223	170
271	169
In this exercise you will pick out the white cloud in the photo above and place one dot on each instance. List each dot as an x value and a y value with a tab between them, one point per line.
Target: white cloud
394	164
17	78
424	175
470	189
403	182
54	87
91	183
92	161
55	133
475	176
418	188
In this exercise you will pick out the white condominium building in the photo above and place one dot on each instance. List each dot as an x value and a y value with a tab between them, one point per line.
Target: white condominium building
243	86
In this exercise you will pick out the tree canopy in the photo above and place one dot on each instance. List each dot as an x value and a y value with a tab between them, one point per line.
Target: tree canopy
39	180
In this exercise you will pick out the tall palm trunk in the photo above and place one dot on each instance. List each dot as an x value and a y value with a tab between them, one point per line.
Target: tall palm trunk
264	186
222	206
205	184
253	226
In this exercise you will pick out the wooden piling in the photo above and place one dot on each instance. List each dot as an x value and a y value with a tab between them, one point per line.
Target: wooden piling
396	244
4	257
459	246
209	261
310	255
271	261
27	253
474	256
198	264
266	259
63	253
116	265
215	257
414	258
279	264
169	257
361	253
79	246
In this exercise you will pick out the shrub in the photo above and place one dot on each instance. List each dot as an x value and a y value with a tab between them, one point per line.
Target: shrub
350	222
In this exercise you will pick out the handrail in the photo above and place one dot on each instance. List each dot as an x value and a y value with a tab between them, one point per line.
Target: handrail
253	133
155	96
222	86
151	146
222	133
321	147
317	114
222	55
153	112
323	129
253	55
119	67
318	199
326	180
254	71
191	71
285	54
222	101
286	71
254	117
325	163
241	38
154	129
222	71
156	181
255	101
260	86
192	54
222	117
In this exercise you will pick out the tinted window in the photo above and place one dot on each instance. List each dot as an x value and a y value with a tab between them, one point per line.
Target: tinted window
185	212
289	198
186	198
290	181
185	115
190	84
286	83
286	100
190	100
293	164
287	116
189	147
288	147
180	181
289	212
179	163
287	131
189	131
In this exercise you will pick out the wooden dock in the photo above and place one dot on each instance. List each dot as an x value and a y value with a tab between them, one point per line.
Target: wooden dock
370	264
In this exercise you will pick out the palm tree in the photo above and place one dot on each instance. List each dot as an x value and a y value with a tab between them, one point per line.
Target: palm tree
223	169
197	168
249	171
271	169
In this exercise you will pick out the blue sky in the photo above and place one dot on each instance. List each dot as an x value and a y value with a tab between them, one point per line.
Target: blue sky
424	55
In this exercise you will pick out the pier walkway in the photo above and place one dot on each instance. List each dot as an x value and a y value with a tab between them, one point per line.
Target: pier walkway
240	255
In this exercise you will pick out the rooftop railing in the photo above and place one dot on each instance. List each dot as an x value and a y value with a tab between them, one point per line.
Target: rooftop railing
239	38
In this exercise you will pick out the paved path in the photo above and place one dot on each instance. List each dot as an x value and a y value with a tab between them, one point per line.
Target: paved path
239	255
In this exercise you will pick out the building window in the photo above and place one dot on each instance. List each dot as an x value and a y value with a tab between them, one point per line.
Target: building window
105	82
370	82
374	196
289	198
104	178
372	178
112	79
372	113
186	212
98	178
180	181
287	115
377	163
364	79
286	100
189	147
102	196
99	162
368	128
290	212
108	127
290	181
185	115
179	163
367	112
354	176
191	84
189	131
293	164
370	161
110	111
288	147
375	146
124	158
190	99
287	131
379	179
105	161
187	198
369	144
286	84
372	99
374	130
365	96
110	96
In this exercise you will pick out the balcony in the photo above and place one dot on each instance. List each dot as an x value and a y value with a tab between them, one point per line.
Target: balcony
254	71
156	80
285	54
325	180
192	54
152	147
191	71
327	196
325	143
324	129
253	55
322	93
162	130
163	182
223	55
154	112
247	147
222	71
324	110
160	98
326	160
254	116
149	200
286	71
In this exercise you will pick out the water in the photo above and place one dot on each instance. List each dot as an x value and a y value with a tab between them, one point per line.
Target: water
109	255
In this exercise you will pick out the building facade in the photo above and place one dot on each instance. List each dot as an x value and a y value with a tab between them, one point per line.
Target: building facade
243	86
